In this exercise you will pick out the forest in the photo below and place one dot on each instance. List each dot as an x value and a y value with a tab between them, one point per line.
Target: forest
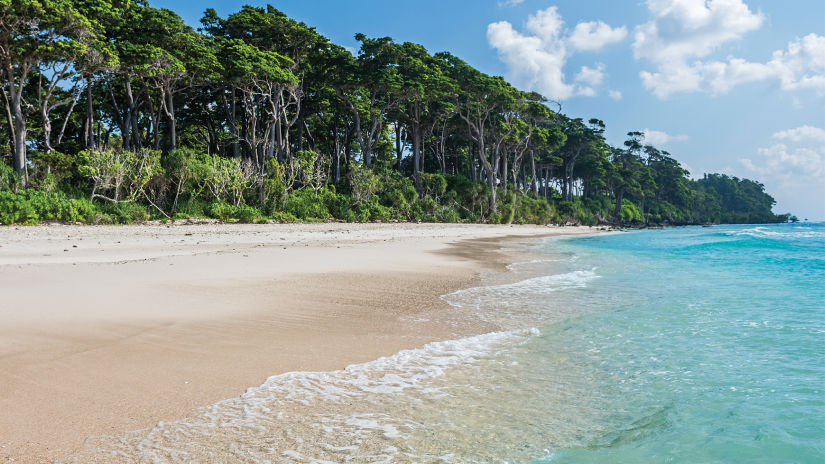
117	112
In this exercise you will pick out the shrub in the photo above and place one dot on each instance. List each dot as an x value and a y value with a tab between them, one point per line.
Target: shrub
9	180
337	204
311	169
306	204
630	212
15	209
227	213
434	184
119	175
33	206
226	179
126	212
364	184
49	170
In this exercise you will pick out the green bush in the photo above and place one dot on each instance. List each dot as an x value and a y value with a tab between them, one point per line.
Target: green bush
434	185
284	218
630	212
33	206
532	210
248	215
15	209
192	208
9	180
364	184
306	204
126	212
119	175
337	204
226	212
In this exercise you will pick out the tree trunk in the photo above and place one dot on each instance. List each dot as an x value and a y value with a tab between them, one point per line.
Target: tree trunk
398	153
173	122
20	128
416	143
504	171
300	135
236	146
19	161
619	199
47	127
515	193
491	182
337	153
90	115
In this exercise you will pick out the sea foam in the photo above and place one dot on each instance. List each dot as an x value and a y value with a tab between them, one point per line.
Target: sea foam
344	415
524	289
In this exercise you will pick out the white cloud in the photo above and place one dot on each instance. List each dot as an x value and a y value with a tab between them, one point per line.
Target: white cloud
615	94
595	35
794	171
659	138
531	61
801	134
536	57
588	79
591	76
682	33
779	160
802	65
511	3
684	29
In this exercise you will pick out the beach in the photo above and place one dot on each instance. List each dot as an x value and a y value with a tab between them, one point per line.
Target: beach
104	330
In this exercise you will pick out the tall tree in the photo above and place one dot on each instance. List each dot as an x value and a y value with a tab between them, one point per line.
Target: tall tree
35	35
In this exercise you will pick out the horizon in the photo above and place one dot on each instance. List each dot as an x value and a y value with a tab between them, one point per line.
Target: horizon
741	94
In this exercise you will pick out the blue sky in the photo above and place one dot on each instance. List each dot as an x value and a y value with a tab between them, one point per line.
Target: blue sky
732	86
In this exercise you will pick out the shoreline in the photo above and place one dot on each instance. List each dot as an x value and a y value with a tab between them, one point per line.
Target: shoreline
111	329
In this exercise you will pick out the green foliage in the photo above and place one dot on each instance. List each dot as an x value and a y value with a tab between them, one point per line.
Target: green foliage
532	210
9	180
224	179
233	213
434	185
736	200
33	206
631	213
311	169
126	212
16	209
306	204
49	170
120	175
274	109
364	184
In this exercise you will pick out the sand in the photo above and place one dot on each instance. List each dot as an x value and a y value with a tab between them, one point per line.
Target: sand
109	329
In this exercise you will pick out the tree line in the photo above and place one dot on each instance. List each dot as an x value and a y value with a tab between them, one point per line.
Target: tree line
118	111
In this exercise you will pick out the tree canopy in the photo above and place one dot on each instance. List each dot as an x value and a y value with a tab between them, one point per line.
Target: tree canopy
124	110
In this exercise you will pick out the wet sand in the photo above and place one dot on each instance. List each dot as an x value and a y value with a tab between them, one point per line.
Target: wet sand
110	329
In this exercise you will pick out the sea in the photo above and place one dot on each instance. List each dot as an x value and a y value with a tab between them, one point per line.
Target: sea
679	345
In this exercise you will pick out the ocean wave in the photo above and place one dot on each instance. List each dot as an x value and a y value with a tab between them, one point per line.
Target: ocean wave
525	289
518	264
338	416
765	232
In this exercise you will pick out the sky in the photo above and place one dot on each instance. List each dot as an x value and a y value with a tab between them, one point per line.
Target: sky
729	86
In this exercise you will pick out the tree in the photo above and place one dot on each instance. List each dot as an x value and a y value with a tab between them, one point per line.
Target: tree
580	138
477	102
35	35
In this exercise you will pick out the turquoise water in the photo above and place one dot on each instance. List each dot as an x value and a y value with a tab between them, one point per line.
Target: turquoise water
688	345
708	344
